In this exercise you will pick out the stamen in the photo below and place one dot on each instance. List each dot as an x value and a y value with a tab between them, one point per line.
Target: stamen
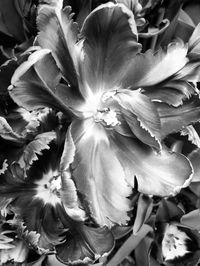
106	117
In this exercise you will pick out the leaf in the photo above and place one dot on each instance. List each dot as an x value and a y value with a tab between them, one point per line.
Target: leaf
11	22
144	208
35	148
192	134
192	220
129	245
168	211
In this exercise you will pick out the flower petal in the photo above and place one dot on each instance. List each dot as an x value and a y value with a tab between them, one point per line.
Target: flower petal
83	243
194	158
141	116
173	92
174	119
110	40
99	175
68	192
149	69
33	86
161	174
58	32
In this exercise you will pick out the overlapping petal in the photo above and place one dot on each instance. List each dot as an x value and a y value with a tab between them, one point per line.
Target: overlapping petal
141	115
172	92
173	119
161	174
110	40
83	243
58	32
149	69
99	175
33	86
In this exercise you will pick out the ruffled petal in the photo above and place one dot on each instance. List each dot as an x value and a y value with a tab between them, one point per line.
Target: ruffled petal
173	119
33	86
99	175
68	192
173	92
58	32
161	174
83	243
110	40
141	115
149	69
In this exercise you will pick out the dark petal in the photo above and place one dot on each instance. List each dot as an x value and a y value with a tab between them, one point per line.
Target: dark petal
144	209
110	40
58	32
83	243
161	174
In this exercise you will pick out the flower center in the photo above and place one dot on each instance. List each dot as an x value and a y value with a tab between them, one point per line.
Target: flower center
107	117
54	185
174	243
48	188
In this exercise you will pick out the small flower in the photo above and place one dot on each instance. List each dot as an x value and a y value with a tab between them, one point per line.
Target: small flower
174	243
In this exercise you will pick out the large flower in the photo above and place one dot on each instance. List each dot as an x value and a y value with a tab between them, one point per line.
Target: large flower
116	129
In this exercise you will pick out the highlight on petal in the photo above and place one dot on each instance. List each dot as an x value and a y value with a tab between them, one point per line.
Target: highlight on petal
149	69
98	174
161	174
68	191
194	158
58	32
32	85
141	115
173	92
109	41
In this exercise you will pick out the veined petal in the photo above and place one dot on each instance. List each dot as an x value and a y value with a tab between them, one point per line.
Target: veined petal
33	86
161	174
141	115
149	69
58	32
173	92
110	40
99	175
83	244
173	119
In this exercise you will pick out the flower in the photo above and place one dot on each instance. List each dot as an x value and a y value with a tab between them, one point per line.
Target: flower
116	130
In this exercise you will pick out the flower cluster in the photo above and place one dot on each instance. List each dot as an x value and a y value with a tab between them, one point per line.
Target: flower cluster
99	132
